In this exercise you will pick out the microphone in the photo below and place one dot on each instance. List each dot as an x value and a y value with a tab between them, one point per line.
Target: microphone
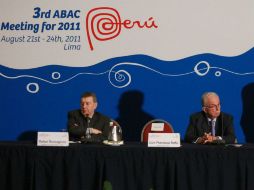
222	127
88	130
220	141
88	120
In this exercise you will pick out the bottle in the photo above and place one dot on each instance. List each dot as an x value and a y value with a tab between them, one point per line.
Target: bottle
115	132
110	135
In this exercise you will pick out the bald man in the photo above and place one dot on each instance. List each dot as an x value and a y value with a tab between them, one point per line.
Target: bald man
210	125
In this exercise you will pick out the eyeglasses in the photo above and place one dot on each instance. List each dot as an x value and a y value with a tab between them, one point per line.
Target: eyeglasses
213	106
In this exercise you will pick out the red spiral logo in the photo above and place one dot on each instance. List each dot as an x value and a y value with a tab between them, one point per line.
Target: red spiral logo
103	23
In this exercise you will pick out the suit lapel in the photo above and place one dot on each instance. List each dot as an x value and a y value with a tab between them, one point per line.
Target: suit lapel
205	127
82	120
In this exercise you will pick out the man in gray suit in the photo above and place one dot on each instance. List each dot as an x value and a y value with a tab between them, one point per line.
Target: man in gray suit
210	125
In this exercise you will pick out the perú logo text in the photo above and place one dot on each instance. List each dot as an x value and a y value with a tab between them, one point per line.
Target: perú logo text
105	23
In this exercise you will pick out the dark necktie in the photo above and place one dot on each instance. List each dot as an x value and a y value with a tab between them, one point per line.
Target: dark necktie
88	132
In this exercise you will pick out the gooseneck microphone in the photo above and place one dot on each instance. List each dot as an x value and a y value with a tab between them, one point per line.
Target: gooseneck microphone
222	126
88	129
221	141
88	120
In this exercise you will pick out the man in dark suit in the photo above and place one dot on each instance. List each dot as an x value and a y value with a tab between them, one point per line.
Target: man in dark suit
86	124
210	125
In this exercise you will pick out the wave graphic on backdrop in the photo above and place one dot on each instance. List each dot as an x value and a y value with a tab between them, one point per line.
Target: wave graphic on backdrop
120	78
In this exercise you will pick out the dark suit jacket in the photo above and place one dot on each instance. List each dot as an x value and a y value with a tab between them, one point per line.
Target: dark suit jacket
77	125
198	125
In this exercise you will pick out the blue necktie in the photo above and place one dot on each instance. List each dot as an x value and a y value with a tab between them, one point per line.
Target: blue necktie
213	127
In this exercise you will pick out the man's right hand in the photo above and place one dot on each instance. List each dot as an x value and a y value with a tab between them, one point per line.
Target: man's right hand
95	131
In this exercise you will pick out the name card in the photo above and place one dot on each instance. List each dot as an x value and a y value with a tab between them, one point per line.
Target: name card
157	127
164	140
52	139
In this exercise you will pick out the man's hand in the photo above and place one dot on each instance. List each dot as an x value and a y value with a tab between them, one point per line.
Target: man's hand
200	140
208	138
95	131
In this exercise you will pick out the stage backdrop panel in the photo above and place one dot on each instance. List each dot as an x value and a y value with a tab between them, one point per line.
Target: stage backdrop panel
143	59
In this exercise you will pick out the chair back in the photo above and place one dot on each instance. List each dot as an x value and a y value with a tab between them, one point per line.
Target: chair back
167	128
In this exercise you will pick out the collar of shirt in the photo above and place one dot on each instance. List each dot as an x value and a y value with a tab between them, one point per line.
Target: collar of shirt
209	119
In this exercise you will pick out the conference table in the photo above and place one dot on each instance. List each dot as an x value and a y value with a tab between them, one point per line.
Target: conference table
132	166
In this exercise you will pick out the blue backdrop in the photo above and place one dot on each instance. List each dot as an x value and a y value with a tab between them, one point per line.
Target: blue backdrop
131	89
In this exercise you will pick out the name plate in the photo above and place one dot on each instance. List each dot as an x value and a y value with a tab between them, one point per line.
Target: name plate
52	139
164	140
